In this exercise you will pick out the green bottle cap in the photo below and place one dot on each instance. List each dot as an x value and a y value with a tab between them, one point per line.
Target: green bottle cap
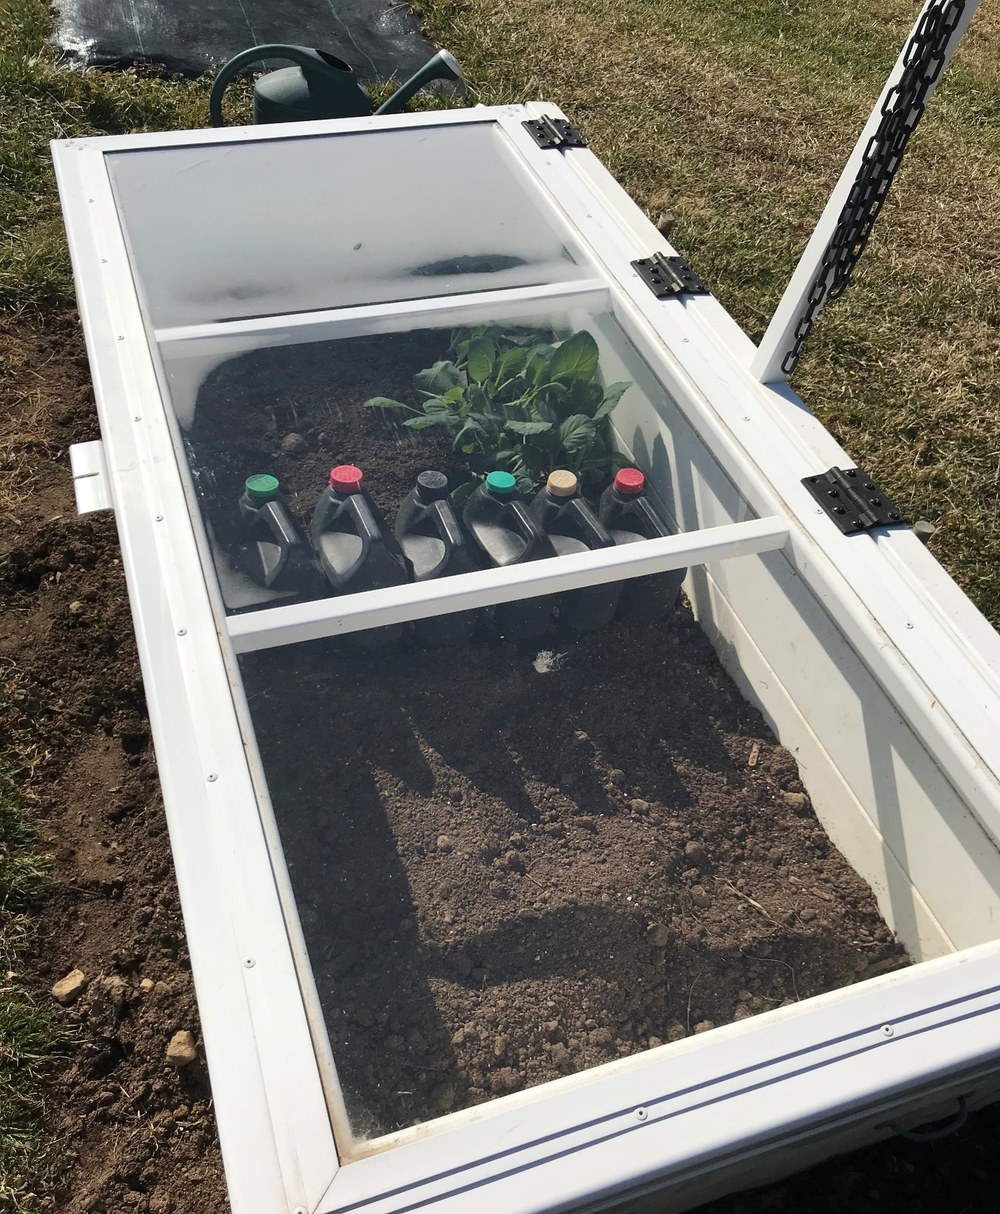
262	487
501	482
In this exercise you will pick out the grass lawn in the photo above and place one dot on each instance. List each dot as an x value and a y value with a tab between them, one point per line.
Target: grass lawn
28	1036
737	116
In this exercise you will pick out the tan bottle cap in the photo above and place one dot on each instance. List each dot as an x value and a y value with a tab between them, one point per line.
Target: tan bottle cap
562	483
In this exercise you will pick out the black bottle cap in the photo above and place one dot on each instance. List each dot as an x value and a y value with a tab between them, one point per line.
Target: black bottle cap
432	486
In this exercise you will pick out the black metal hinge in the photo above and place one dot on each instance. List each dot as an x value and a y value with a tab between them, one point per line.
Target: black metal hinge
669	276
852	499
554	133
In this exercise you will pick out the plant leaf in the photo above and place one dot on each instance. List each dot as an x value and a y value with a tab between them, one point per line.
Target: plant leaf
461	494
462	337
577	433
431	419
527	337
438	406
575	359
482	355
512	362
612	396
437	380
468	430
537	366
479	401
555	401
529	427
384	402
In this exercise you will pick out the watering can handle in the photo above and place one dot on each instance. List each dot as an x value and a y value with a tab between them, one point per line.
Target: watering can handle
304	56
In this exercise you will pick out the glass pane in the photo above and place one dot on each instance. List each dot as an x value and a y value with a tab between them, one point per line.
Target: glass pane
486	840
221	232
512	865
247	406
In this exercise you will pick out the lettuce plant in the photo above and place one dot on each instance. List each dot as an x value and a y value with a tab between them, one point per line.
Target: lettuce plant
519	400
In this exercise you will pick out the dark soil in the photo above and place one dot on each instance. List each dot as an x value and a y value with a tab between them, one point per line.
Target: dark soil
506	875
572	844
295	411
141	1133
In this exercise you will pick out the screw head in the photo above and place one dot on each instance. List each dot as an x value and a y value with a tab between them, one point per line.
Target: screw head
212	777
249	962
887	1030
642	1114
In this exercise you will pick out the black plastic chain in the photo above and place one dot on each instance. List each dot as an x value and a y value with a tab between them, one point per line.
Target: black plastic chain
903	107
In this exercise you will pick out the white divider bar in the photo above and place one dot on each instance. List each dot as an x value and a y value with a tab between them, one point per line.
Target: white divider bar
508	302
335	617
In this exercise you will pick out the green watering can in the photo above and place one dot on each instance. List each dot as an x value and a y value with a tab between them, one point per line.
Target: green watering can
319	86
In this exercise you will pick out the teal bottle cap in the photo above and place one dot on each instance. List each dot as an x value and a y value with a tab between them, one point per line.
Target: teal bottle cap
262	487
501	482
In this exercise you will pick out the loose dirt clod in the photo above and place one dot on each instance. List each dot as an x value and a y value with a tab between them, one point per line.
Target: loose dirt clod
181	1049
658	935
70	988
546	661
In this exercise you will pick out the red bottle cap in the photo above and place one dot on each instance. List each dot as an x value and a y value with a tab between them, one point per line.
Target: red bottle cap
629	482
346	478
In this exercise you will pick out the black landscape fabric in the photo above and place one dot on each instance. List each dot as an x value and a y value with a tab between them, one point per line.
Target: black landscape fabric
378	38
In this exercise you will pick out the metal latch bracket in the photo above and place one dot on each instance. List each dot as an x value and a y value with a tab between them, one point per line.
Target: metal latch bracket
668	277
853	500
90	477
554	133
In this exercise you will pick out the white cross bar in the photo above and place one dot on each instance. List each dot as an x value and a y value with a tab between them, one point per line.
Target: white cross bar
334	617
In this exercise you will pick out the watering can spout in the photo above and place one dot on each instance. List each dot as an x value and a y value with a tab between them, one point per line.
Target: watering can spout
443	66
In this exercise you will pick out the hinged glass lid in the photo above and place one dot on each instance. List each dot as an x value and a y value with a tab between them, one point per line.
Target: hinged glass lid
221	232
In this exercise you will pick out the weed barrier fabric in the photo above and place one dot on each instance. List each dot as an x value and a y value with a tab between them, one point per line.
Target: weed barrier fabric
378	38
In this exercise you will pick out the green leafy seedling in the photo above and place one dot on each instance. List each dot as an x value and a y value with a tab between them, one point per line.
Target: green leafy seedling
519	400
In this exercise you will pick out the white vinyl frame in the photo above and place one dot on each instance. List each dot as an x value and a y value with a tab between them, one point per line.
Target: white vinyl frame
692	1117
